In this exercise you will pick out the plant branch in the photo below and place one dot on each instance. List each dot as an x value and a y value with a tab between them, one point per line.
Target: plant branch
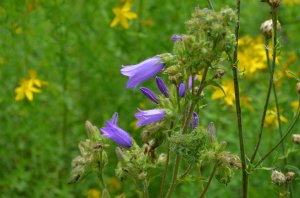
209	180
274	37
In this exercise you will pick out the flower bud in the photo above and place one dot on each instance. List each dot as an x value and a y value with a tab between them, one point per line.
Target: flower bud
296	138
290	176
162	87
161	159
219	74
182	90
194	121
149	94
176	37
273	3
267	28
142	175
298	87
278	177
212	131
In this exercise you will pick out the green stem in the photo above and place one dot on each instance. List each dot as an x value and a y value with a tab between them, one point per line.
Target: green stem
186	172
293	123
210	5
145	189
276	102
238	105
209	180
274	37
174	176
163	181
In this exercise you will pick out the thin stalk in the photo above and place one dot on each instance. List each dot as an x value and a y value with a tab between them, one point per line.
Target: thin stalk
238	105
174	176
186	172
274	37
210	5
276	103
145	189
209	180
293	123
163	181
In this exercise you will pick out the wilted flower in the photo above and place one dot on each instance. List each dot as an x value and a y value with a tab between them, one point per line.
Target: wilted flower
267	28
176	37
182	90
278	177
149	94
122	14
296	138
162	87
290	176
114	132
143	71
194	121
149	116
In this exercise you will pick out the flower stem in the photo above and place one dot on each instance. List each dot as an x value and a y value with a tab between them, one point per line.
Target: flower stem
209	180
186	172
276	102
174	176
293	123
238	105
163	181
274	22
210	5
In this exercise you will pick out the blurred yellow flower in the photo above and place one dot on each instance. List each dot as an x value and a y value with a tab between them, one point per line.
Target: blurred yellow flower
28	87
114	184
122	15
271	118
251	56
229	97
294	105
93	193
290	2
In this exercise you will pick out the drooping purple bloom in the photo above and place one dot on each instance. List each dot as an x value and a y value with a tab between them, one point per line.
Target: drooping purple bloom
143	71
176	37
212	131
149	116
114	132
149	94
182	90
190	81
162	87
194	121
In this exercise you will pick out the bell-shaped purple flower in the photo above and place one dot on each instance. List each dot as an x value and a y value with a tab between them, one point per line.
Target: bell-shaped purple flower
194	121
176	37
149	116
143	71
114	132
149	94
182	90
162	87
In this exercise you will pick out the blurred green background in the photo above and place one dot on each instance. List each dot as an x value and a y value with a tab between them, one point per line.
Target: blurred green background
71	45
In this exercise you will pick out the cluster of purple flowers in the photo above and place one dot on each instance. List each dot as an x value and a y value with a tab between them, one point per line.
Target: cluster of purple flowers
138	74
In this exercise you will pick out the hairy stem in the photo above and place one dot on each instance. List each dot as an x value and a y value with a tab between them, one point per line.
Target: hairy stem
274	37
209	180
293	123
238	105
174	176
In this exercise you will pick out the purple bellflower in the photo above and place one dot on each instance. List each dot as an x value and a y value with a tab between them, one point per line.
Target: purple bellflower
176	37
162	87
149	94
143	71
182	90
149	116
114	132
194	121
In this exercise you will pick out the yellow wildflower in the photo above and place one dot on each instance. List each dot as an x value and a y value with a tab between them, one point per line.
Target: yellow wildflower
114	184
26	89
251	56
271	118
122	15
290	2
294	105
93	193
229	97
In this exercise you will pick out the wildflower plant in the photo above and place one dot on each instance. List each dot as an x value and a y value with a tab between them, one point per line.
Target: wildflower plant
172	131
